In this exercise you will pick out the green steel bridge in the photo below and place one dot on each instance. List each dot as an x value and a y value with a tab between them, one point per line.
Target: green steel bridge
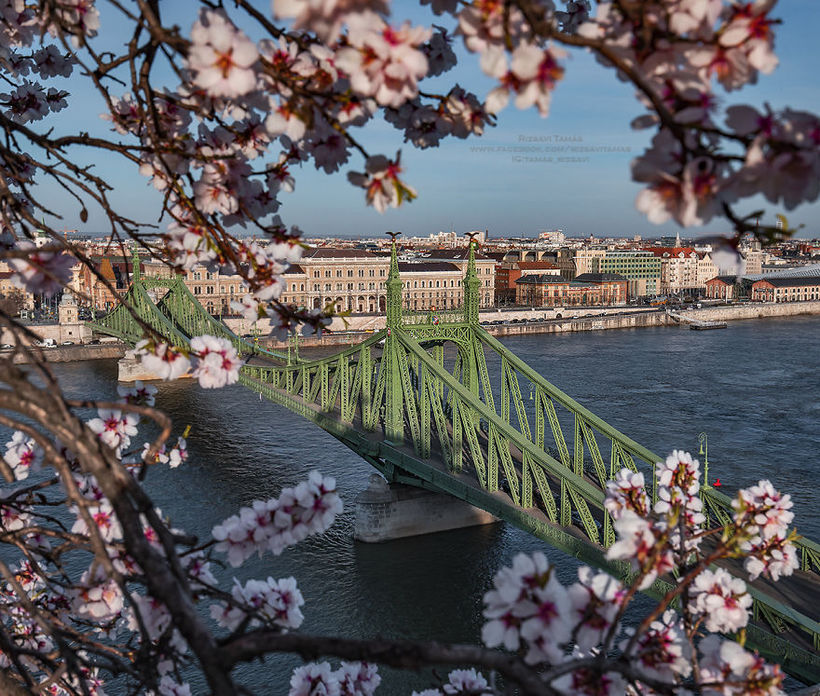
436	402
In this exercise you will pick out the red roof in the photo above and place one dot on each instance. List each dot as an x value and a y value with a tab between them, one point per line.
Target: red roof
670	251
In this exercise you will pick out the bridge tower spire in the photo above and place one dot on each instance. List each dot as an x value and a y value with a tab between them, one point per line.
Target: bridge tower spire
394	295
394	396
135	265
472	284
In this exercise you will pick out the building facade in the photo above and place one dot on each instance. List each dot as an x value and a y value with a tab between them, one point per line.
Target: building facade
541	290
794	289
721	287
642	270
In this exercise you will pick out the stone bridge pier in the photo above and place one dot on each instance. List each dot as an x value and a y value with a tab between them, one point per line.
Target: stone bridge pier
386	511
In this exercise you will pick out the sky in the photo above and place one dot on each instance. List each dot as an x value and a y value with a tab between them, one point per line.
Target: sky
482	183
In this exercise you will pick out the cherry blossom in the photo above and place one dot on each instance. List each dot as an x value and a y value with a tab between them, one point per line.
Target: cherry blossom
465	681
588	682
98	597
627	492
663	652
276	602
382	184
41	271
277	523
721	599
325	17
384	62
162	360
314	679
23	455
358	678
138	393
595	603
640	543
114	428
528	604
218	363
729	670
221	56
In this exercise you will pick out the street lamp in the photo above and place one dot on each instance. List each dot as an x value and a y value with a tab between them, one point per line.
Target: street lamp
704	451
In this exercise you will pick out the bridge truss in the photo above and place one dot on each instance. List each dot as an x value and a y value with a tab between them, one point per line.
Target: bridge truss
436	402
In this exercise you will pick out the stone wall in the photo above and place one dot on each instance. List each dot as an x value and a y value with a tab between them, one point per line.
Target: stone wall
752	310
105	351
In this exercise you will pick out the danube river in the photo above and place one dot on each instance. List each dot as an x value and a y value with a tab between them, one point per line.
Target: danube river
752	387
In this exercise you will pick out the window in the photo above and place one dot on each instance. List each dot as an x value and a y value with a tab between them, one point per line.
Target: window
327	286
372	273
361	273
210	290
350	273
197	290
381	273
316	286
327	274
197	276
339	273
316	274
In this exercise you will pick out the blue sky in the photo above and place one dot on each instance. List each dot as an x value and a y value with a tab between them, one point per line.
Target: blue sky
466	188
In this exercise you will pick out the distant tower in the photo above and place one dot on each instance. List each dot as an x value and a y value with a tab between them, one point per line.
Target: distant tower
677	239
67	311
67	314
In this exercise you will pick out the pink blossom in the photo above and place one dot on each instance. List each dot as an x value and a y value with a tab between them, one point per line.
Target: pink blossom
358	678
277	523
325	17
43	272
461	681
221	56
162	360
663	652
23	455
114	428
626	491
721	599
528	604
728	670
382	183
138	393
595	601
218	363
277	602
384	62
639	543
314	679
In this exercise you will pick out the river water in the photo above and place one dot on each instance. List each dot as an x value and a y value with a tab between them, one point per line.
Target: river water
752	387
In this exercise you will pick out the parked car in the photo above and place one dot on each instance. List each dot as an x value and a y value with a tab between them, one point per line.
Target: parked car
94	342
5	346
48	343
67	343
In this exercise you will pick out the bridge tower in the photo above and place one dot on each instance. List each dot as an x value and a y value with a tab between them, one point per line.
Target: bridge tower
394	397
472	286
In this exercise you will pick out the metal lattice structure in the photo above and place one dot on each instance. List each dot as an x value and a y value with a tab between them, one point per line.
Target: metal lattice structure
436	402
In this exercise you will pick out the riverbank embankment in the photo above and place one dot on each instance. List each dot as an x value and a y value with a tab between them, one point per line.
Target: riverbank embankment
596	320
504	323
